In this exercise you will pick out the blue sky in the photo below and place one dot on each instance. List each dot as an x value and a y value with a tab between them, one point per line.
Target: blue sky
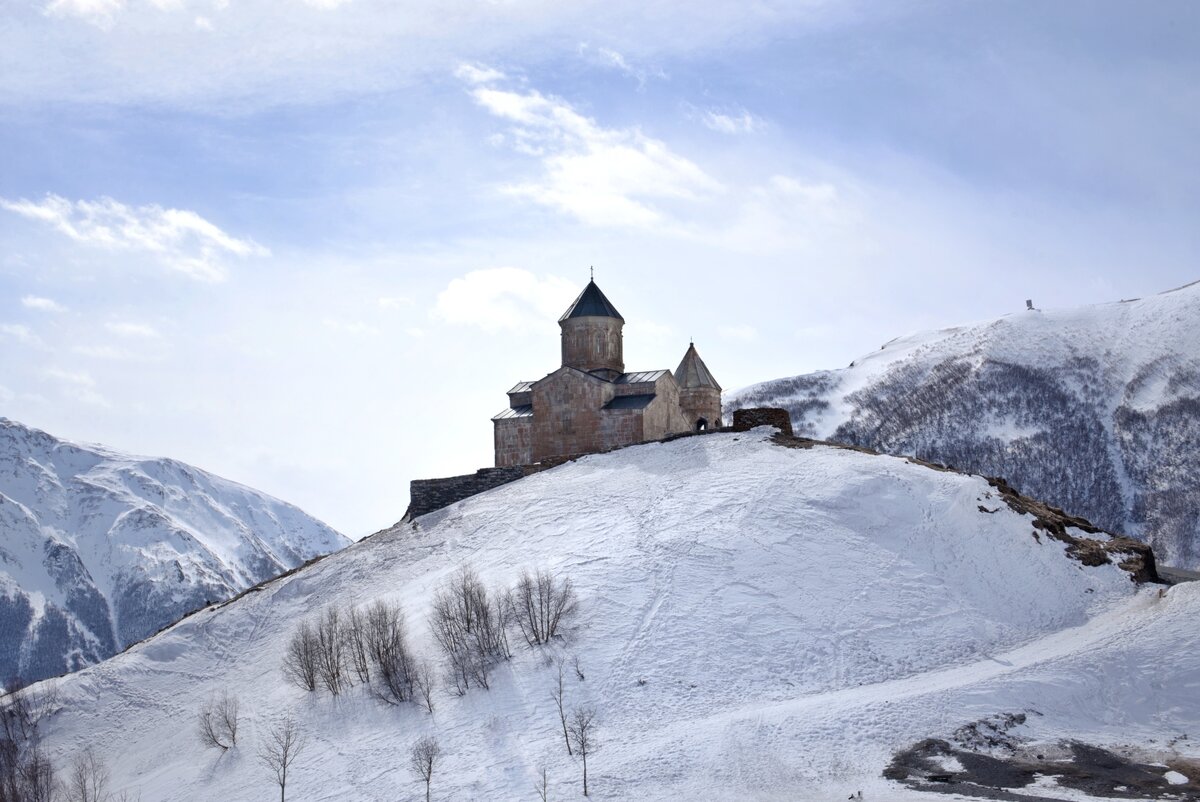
308	244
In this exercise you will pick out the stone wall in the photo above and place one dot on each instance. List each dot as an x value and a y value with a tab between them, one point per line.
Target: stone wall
746	419
513	441
427	495
701	402
593	344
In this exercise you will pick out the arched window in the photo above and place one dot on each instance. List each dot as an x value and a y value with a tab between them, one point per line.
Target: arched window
701	425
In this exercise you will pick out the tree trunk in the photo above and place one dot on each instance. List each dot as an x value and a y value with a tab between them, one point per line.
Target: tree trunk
585	793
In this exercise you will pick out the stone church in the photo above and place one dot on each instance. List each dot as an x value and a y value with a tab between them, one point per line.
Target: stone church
591	404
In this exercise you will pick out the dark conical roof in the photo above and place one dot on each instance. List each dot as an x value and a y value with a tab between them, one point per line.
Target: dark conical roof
591	303
692	372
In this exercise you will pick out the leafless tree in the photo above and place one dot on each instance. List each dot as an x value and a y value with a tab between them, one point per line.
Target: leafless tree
331	650
543	787
540	603
356	644
425	683
23	708
279	750
386	645
26	774
470	628
422	758
88	778
582	731
559	694
300	663
218	721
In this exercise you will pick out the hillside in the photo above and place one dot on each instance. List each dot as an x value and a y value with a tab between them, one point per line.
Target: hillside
755	621
101	549
1096	409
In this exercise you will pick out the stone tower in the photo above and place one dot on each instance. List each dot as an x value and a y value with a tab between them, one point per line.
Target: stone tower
699	393
592	340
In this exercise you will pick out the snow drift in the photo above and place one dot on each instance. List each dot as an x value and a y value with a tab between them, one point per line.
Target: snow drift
755	622
1096	410
101	549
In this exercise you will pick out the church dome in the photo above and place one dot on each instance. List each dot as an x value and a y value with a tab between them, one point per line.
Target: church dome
591	303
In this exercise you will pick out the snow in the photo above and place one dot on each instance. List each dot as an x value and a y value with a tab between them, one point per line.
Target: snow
756	622
123	545
1175	778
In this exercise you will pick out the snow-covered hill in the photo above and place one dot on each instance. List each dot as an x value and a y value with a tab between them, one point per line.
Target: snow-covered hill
1094	409
755	622
100	549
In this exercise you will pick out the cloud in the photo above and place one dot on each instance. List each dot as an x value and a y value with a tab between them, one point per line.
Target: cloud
133	330
6	394
610	177
614	60
743	123
478	74
77	384
98	12
396	302
21	333
179	239
743	332
42	304
504	298
104	352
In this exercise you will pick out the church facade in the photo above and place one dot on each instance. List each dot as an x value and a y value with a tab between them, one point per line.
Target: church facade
591	404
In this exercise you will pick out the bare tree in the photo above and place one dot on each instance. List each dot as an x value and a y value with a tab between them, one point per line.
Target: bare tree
425	683
582	731
356	644
422	758
559	700
386	645
26	774
543	787
279	750
218	721
88	778
300	662
470	628
540	603
331	650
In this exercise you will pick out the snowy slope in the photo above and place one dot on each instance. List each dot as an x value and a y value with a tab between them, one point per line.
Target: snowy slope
99	550
757	622
1094	409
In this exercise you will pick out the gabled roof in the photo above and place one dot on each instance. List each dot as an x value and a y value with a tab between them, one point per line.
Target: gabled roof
693	373
521	387
591	303
523	411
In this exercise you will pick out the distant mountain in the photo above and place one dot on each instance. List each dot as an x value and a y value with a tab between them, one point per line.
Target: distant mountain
1096	410
99	550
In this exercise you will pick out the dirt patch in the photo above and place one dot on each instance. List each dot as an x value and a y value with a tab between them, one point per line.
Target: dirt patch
984	761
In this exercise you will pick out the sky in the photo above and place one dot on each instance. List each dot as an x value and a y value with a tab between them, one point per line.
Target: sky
309	244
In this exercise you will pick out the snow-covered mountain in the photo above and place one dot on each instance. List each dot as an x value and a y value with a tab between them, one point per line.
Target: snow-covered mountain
99	550
1096	409
755	621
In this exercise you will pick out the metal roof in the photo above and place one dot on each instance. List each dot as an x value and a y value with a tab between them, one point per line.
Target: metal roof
591	303
631	401
692	372
524	411
640	376
521	387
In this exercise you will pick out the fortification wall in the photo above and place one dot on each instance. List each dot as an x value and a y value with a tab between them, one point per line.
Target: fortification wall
746	419
427	495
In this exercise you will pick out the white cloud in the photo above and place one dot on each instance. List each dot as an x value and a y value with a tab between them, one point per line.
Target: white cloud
180	239
478	74
612	59
42	304
743	332
352	327
21	333
97	12
504	298
77	384
133	330
601	176
6	394
104	352
738	123
396	302
325	5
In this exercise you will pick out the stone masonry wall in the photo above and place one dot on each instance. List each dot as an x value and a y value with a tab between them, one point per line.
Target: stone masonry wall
427	495
746	419
513	441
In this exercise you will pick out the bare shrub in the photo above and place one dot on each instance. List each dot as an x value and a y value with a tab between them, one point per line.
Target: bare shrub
386	646
300	662
356	644
26	774
424	682
88	779
218	721
331	650
279	750
470	627
543	786
422	759
558	695
540	602
582	731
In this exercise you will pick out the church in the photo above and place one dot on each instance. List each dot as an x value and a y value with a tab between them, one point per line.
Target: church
591	404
